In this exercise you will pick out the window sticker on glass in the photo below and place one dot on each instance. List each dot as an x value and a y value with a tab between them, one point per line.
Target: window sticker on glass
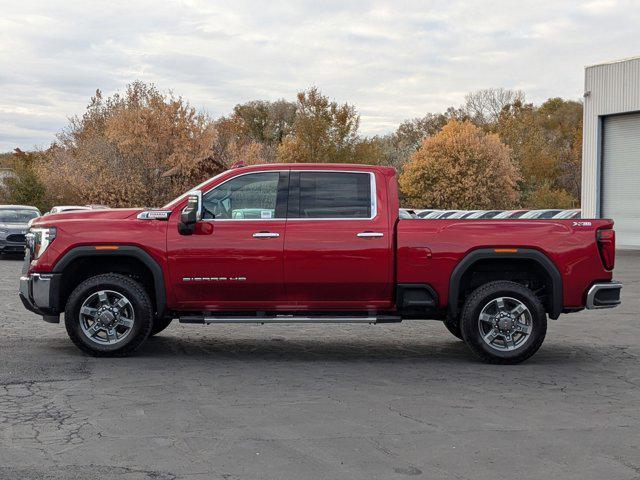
266	213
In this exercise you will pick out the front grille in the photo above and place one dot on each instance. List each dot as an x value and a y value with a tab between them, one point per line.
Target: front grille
16	237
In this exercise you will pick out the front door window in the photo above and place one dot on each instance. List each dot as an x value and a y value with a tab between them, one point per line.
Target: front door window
253	196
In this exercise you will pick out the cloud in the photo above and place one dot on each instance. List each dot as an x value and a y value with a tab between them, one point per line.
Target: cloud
392	59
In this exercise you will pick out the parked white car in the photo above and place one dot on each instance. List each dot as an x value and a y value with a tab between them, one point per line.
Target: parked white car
74	208
66	208
538	214
450	213
511	214
435	214
425	213
483	214
407	214
573	213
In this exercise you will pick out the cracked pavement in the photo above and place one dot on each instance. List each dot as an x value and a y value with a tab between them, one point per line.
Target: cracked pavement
322	401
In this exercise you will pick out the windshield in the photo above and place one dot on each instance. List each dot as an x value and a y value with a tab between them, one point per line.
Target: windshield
15	215
197	187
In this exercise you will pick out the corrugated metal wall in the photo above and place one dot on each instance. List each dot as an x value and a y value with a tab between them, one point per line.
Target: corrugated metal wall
612	88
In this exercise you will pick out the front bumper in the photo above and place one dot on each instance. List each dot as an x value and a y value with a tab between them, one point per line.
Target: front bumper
40	293
11	247
604	295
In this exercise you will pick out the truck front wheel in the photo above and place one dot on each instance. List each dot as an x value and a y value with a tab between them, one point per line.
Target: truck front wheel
503	322
108	315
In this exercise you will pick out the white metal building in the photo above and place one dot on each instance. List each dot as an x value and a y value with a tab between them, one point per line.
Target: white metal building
611	147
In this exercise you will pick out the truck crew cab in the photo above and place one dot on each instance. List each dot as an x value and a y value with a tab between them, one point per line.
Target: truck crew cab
288	243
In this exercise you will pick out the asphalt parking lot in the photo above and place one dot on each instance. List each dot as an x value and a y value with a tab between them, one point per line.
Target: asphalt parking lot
322	402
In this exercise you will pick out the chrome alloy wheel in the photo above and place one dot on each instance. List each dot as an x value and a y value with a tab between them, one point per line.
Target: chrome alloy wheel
505	324
106	317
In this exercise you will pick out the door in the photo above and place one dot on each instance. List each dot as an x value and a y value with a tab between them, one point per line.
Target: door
234	260
620	181
338	243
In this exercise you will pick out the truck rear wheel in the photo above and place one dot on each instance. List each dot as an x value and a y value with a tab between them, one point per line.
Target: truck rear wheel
108	315
503	322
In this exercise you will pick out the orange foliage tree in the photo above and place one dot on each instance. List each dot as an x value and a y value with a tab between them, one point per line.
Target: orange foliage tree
139	148
461	167
324	131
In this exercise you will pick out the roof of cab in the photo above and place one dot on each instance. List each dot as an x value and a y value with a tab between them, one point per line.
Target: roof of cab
315	166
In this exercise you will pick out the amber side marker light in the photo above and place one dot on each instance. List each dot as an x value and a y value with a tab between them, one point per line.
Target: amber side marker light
106	247
505	250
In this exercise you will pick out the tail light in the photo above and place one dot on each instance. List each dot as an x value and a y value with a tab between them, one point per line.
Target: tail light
607	247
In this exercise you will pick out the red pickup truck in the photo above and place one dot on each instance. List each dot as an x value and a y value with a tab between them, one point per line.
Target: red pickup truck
309	243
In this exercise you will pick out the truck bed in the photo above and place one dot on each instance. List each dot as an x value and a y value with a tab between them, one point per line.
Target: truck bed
429	250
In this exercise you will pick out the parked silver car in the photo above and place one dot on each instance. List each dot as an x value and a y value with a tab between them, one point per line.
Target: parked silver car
14	223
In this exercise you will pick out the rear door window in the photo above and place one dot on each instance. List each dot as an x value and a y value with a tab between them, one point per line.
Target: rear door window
334	195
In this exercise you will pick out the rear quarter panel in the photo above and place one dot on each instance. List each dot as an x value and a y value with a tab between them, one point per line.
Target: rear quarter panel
429	250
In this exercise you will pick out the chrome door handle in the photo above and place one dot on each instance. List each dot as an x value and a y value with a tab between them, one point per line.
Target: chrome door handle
369	234
266	235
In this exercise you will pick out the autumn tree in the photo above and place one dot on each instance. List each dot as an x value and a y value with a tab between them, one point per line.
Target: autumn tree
461	167
398	146
141	147
548	196
484	107
324	131
24	186
253	132
546	145
562	120
265	122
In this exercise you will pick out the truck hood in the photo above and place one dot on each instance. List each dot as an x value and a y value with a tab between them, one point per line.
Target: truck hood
89	215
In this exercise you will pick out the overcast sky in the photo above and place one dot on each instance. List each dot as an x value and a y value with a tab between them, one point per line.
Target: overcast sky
393	59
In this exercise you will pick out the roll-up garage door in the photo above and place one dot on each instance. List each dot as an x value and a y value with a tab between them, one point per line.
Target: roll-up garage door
620	194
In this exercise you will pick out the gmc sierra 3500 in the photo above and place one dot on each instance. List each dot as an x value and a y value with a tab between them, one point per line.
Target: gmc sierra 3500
287	243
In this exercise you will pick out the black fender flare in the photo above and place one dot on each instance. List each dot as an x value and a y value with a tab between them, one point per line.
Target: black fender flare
555	306
122	251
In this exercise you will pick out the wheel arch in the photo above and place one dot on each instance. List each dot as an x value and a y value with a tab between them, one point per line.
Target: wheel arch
554	304
137	254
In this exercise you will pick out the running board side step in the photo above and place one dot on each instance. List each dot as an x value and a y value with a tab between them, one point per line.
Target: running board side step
289	319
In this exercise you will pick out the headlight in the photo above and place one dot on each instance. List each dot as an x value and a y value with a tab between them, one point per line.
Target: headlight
38	239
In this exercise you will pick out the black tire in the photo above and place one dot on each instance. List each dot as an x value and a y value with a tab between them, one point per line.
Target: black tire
159	324
480	298
453	325
139	301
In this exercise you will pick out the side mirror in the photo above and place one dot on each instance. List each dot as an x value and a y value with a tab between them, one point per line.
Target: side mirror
191	214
